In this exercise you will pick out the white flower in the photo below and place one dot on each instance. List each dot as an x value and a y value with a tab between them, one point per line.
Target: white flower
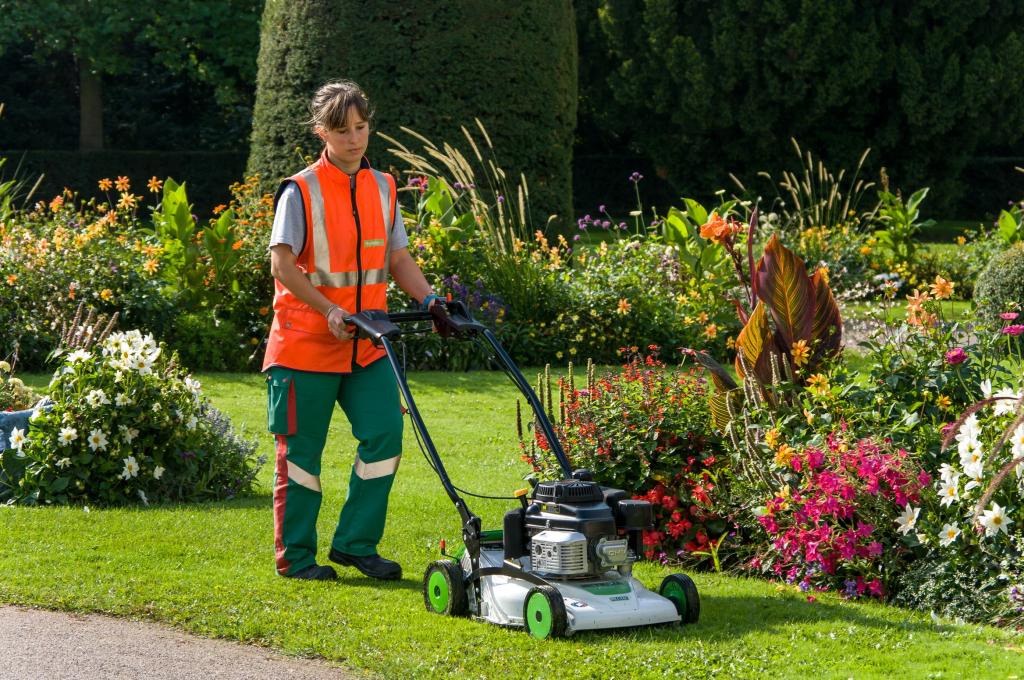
986	388
995	520
973	472
906	521
63	463
18	438
142	495
131	468
970	451
910	418
122	400
970	429
948	473
78	355
1007	402
948	535
194	386
158	472
949	493
97	398
119	375
156	406
192	422
5	367
142	365
128	433
1018	441
97	440
67	435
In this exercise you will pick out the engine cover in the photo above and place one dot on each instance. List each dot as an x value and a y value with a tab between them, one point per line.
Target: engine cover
561	553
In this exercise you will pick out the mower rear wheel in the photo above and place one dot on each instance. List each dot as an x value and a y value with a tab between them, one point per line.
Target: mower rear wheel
544	613
681	589
444	591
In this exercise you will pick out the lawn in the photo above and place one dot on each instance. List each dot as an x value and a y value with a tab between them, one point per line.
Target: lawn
209	569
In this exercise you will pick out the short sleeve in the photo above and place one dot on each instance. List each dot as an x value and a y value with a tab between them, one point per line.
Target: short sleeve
399	237
290	220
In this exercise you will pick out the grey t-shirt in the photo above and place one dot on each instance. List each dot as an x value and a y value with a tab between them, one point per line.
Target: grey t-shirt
290	223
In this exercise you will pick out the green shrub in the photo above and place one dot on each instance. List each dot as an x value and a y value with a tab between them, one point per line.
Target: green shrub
128	425
206	343
1000	287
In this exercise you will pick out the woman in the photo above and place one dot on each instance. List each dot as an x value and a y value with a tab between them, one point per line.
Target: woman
337	233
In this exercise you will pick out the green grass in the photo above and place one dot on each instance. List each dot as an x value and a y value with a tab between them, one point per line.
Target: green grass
952	310
209	569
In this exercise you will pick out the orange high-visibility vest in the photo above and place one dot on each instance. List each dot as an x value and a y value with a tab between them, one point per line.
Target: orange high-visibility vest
346	254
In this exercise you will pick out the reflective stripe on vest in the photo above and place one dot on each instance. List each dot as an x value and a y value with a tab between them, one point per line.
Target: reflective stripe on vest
322	274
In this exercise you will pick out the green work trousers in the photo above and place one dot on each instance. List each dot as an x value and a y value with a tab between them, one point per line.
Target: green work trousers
299	407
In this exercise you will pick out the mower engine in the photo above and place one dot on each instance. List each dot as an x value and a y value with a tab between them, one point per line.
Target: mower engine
577	529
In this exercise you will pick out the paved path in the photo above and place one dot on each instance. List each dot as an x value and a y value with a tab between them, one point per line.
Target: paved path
58	646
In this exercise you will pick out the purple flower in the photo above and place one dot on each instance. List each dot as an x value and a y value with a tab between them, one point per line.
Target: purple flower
635	177
957	355
600	208
576	237
501	199
1013	330
605	224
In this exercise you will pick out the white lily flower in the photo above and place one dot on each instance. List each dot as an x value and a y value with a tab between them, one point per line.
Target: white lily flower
131	468
905	522
17	438
995	520
67	435
97	440
948	535
949	493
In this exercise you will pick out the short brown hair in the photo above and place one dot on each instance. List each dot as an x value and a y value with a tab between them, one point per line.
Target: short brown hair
331	103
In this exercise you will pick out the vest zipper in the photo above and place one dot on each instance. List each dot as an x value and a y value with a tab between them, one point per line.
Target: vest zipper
359	266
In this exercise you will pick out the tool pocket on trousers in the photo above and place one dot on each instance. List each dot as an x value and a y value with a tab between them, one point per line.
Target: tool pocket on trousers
281	403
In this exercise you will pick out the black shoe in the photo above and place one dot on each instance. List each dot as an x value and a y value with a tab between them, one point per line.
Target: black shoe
373	566
316	572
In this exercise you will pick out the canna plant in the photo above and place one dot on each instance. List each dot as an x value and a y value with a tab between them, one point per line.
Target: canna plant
791	325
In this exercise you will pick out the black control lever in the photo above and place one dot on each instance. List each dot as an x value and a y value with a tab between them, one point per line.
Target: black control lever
374	324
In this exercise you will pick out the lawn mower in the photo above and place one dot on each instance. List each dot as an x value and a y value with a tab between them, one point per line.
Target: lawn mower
563	560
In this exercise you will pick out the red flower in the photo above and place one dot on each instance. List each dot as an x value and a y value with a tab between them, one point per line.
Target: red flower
957	355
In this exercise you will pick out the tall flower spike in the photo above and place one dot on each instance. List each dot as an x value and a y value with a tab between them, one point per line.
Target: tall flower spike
774	358
519	420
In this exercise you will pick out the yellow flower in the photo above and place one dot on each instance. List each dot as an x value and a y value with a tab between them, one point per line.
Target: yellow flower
710	331
558	354
961	240
151	265
105	184
154	184
942	289
624	306
944	402
127	201
771	438
784	455
122	183
730	342
809	415
801	352
818	384
106	294
865	250
702	317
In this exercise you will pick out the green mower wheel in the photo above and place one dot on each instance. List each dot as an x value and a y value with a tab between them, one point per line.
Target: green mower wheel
544	613
444	591
681	589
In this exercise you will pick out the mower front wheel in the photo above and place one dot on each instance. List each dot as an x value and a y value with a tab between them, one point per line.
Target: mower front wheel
681	589
544	613
444	591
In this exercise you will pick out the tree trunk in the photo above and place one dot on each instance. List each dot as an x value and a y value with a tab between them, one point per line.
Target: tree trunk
90	100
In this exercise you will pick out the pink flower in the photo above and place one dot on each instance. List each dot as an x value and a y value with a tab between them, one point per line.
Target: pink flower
875	549
957	355
812	599
1008	316
1013	330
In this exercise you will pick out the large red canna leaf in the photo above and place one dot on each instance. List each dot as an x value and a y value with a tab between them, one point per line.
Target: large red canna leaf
756	343
784	287
827	329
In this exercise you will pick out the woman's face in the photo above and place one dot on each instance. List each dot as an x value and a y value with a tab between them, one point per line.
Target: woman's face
347	144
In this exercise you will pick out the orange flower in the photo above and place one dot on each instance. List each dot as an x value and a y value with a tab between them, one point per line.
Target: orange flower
717	229
122	183
818	383
105	184
56	203
151	265
801	352
915	301
771	438
944	402
711	331
71	291
942	289
127	201
12	279
218	209
784	455
154	184
264	311
624	306
237	244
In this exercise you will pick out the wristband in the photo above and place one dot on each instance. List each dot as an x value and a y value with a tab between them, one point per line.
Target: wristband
327	314
425	305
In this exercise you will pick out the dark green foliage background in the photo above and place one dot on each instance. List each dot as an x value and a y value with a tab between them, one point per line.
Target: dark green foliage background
1000	286
704	89
432	67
